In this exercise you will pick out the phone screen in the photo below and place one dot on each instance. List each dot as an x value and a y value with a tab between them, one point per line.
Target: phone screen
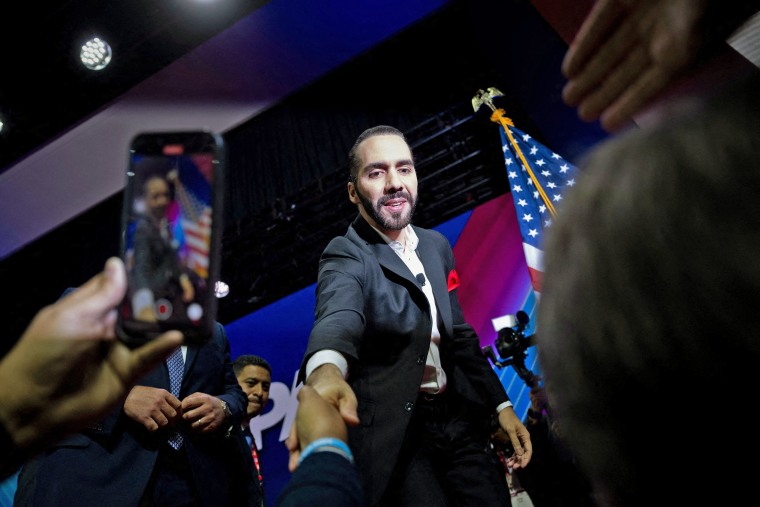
170	235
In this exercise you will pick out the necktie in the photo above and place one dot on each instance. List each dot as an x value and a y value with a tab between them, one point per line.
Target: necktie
176	366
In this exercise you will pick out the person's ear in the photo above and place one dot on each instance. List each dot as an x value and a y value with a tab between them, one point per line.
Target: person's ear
352	193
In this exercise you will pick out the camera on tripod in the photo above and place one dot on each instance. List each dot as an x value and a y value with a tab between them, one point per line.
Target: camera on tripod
512	344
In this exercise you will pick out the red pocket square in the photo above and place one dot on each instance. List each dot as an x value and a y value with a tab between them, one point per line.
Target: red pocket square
453	280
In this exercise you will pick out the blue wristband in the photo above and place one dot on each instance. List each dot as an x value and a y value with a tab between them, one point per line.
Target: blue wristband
327	444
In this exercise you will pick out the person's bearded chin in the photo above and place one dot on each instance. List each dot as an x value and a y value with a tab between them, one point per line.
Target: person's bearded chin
396	221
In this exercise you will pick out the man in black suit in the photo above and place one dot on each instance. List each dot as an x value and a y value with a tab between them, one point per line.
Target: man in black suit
390	341
126	460
87	371
158	271
254	374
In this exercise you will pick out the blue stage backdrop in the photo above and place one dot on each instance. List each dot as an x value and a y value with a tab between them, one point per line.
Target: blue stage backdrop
494	282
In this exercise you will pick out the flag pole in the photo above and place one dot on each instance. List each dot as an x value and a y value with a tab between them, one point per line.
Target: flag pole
181	193
499	116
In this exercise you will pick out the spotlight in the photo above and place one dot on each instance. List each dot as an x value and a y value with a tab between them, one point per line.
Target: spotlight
221	289
95	54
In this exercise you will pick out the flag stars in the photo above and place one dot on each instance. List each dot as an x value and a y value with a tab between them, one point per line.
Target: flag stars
539	183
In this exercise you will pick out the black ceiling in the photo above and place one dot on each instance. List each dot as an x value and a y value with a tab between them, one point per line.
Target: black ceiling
45	89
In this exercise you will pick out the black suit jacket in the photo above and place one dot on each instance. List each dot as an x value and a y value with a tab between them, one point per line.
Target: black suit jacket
156	262
111	462
371	309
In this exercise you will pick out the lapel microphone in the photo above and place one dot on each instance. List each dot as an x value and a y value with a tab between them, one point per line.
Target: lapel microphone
420	278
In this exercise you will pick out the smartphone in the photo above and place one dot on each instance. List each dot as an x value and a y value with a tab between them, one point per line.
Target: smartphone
170	235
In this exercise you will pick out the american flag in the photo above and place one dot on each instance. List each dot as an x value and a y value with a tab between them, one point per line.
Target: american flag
193	192
536	190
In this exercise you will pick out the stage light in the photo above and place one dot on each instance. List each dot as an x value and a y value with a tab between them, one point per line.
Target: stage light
95	54
221	289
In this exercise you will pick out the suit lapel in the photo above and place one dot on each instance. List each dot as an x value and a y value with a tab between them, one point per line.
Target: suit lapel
385	255
433	262
390	261
431	259
192	353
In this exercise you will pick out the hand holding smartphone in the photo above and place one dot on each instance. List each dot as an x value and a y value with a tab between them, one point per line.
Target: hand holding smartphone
171	227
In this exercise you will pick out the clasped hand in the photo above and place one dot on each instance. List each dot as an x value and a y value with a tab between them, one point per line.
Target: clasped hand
157	408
